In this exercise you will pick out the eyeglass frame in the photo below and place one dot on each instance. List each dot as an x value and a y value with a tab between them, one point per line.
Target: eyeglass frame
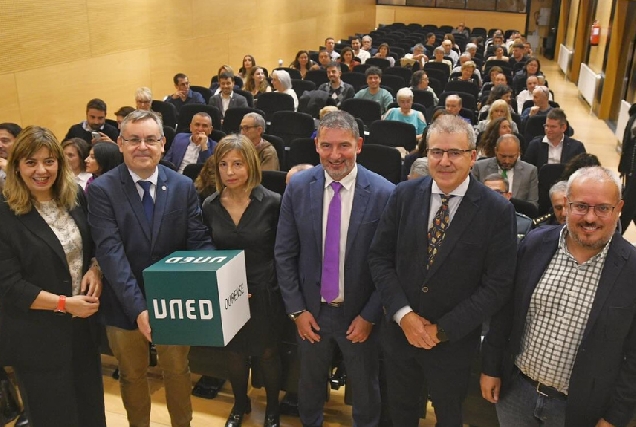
456	153
601	215
133	143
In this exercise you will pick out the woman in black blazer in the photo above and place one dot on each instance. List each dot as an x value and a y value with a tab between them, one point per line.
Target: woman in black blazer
48	290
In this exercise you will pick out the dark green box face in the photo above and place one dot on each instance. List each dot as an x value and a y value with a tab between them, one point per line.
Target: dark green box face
197	297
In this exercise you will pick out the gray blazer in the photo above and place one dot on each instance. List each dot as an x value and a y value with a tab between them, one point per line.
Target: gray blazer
235	101
525	182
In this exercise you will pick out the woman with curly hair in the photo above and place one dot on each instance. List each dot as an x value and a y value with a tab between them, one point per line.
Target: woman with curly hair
257	82
302	63
488	139
248	63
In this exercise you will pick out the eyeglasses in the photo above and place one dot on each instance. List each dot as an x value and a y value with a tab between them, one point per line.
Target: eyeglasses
143	101
453	153
150	141
601	211
247	127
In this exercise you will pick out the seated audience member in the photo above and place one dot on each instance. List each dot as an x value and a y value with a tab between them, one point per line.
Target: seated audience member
557	199
515	37
500	184
122	113
464	58
374	92
322	113
205	183
447	47
471	49
256	82
405	114
330	47
468	69
253	126
517	56
301	62
420	150
324	59
336	88
184	95
76	150
499	108
541	107
347	59
461	29
367	42
282	83
494	71
419	168
295	169
227	98
8	133
498	54
419	81
497	40
248	63
214	84
453	105
358	52
383	52
143	99
194	147
521	176
94	129
451	37
577	162
439	54
527	94
527	48
430	43
418	56
555	146
102	158
488	138
498	92
532	68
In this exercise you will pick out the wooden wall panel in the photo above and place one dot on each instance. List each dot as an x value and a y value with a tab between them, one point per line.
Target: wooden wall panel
471	18
10	105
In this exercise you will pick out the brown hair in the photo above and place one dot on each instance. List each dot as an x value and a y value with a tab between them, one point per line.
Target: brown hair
246	149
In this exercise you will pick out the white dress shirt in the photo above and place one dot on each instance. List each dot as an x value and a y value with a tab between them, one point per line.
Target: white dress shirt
363	55
510	175
153	181
346	198
554	152
191	155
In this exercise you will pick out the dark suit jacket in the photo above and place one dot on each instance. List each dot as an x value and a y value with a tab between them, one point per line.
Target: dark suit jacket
32	260
236	100
299	243
180	145
525	183
77	131
470	278
537	151
126	243
603	381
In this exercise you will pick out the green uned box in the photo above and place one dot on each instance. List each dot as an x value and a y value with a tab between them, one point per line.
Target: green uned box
197	298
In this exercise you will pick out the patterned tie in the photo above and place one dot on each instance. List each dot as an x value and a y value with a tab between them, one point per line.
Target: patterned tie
331	261
437	231
146	200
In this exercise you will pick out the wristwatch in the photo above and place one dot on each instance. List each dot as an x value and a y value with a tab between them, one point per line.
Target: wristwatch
61	305
293	316
441	334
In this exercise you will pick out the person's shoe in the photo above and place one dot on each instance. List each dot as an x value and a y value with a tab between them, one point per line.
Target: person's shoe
236	418
22	421
272	420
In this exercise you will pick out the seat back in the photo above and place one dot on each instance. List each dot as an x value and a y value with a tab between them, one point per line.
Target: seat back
381	63
403	72
293	73
290	125
271	102
301	86
468	100
279	145
534	127
189	110
462	86
234	116
274	181
383	160
168	112
355	79
169	134
204	91
394	82
365	109
193	170
392	134
317	76
303	150
424	97
247	95
549	175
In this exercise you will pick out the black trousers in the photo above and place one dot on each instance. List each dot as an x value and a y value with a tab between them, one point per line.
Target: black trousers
70	395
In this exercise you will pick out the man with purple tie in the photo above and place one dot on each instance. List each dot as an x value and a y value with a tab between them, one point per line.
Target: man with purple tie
327	221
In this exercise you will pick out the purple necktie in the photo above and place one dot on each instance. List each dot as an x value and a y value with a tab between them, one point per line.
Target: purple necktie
331	260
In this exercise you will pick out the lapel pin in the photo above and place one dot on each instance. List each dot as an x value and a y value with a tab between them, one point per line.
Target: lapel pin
163	188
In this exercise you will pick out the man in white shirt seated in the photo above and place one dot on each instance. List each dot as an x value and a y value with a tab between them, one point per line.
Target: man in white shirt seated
448	51
358	52
193	147
330	45
226	98
527	94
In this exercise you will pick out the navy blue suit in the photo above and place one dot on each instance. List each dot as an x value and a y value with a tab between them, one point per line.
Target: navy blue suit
603	380
537	151
126	243
299	254
179	146
469	280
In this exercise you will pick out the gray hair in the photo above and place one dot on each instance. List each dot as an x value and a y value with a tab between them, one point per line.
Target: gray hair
139	116
283	77
405	92
559	187
367	38
454	97
143	93
495	177
466	55
258	119
439	49
452	124
419	46
597	173
340	120
507	137
471	46
202	114
542	89
420	167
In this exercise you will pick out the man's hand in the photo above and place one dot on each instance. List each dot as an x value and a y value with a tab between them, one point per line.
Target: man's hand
92	283
534	110
180	94
359	330
82	305
603	423
200	139
102	138
307	325
143	323
413	327
490	387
